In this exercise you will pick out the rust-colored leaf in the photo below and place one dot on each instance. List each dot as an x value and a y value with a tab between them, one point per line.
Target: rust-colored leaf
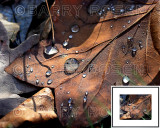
38	108
155	23
105	49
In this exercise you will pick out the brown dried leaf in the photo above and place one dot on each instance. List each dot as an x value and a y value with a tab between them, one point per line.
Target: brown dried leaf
38	108
155	24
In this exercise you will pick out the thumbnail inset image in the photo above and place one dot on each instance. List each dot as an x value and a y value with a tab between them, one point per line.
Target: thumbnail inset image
135	107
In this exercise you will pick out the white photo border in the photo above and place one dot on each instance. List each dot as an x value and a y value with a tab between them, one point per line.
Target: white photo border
118	90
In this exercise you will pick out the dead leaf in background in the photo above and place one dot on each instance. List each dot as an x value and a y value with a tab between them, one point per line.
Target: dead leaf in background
21	13
38	108
12	28
137	107
100	52
11	87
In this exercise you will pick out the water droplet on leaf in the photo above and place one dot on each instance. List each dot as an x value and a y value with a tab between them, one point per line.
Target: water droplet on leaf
71	65
84	75
65	43
75	28
129	22
71	36
70	101
49	50
125	80
122	11
48	73
31	70
37	81
49	82
134	51
85	99
86	93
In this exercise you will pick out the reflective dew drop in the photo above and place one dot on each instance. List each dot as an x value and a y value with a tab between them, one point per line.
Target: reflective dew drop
75	28
86	93
129	22
84	75
71	36
70	101
71	65
49	50
141	46
37	81
125	80
49	82
132	7
122	11
130	39
48	73
65	43
31	70
65	110
134	51
85	99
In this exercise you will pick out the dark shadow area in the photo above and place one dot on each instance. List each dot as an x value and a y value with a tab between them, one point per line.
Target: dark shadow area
105	123
156	80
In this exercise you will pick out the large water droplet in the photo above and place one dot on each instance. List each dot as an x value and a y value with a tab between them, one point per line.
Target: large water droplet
125	80
49	50
75	28
71	65
48	73
49	82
